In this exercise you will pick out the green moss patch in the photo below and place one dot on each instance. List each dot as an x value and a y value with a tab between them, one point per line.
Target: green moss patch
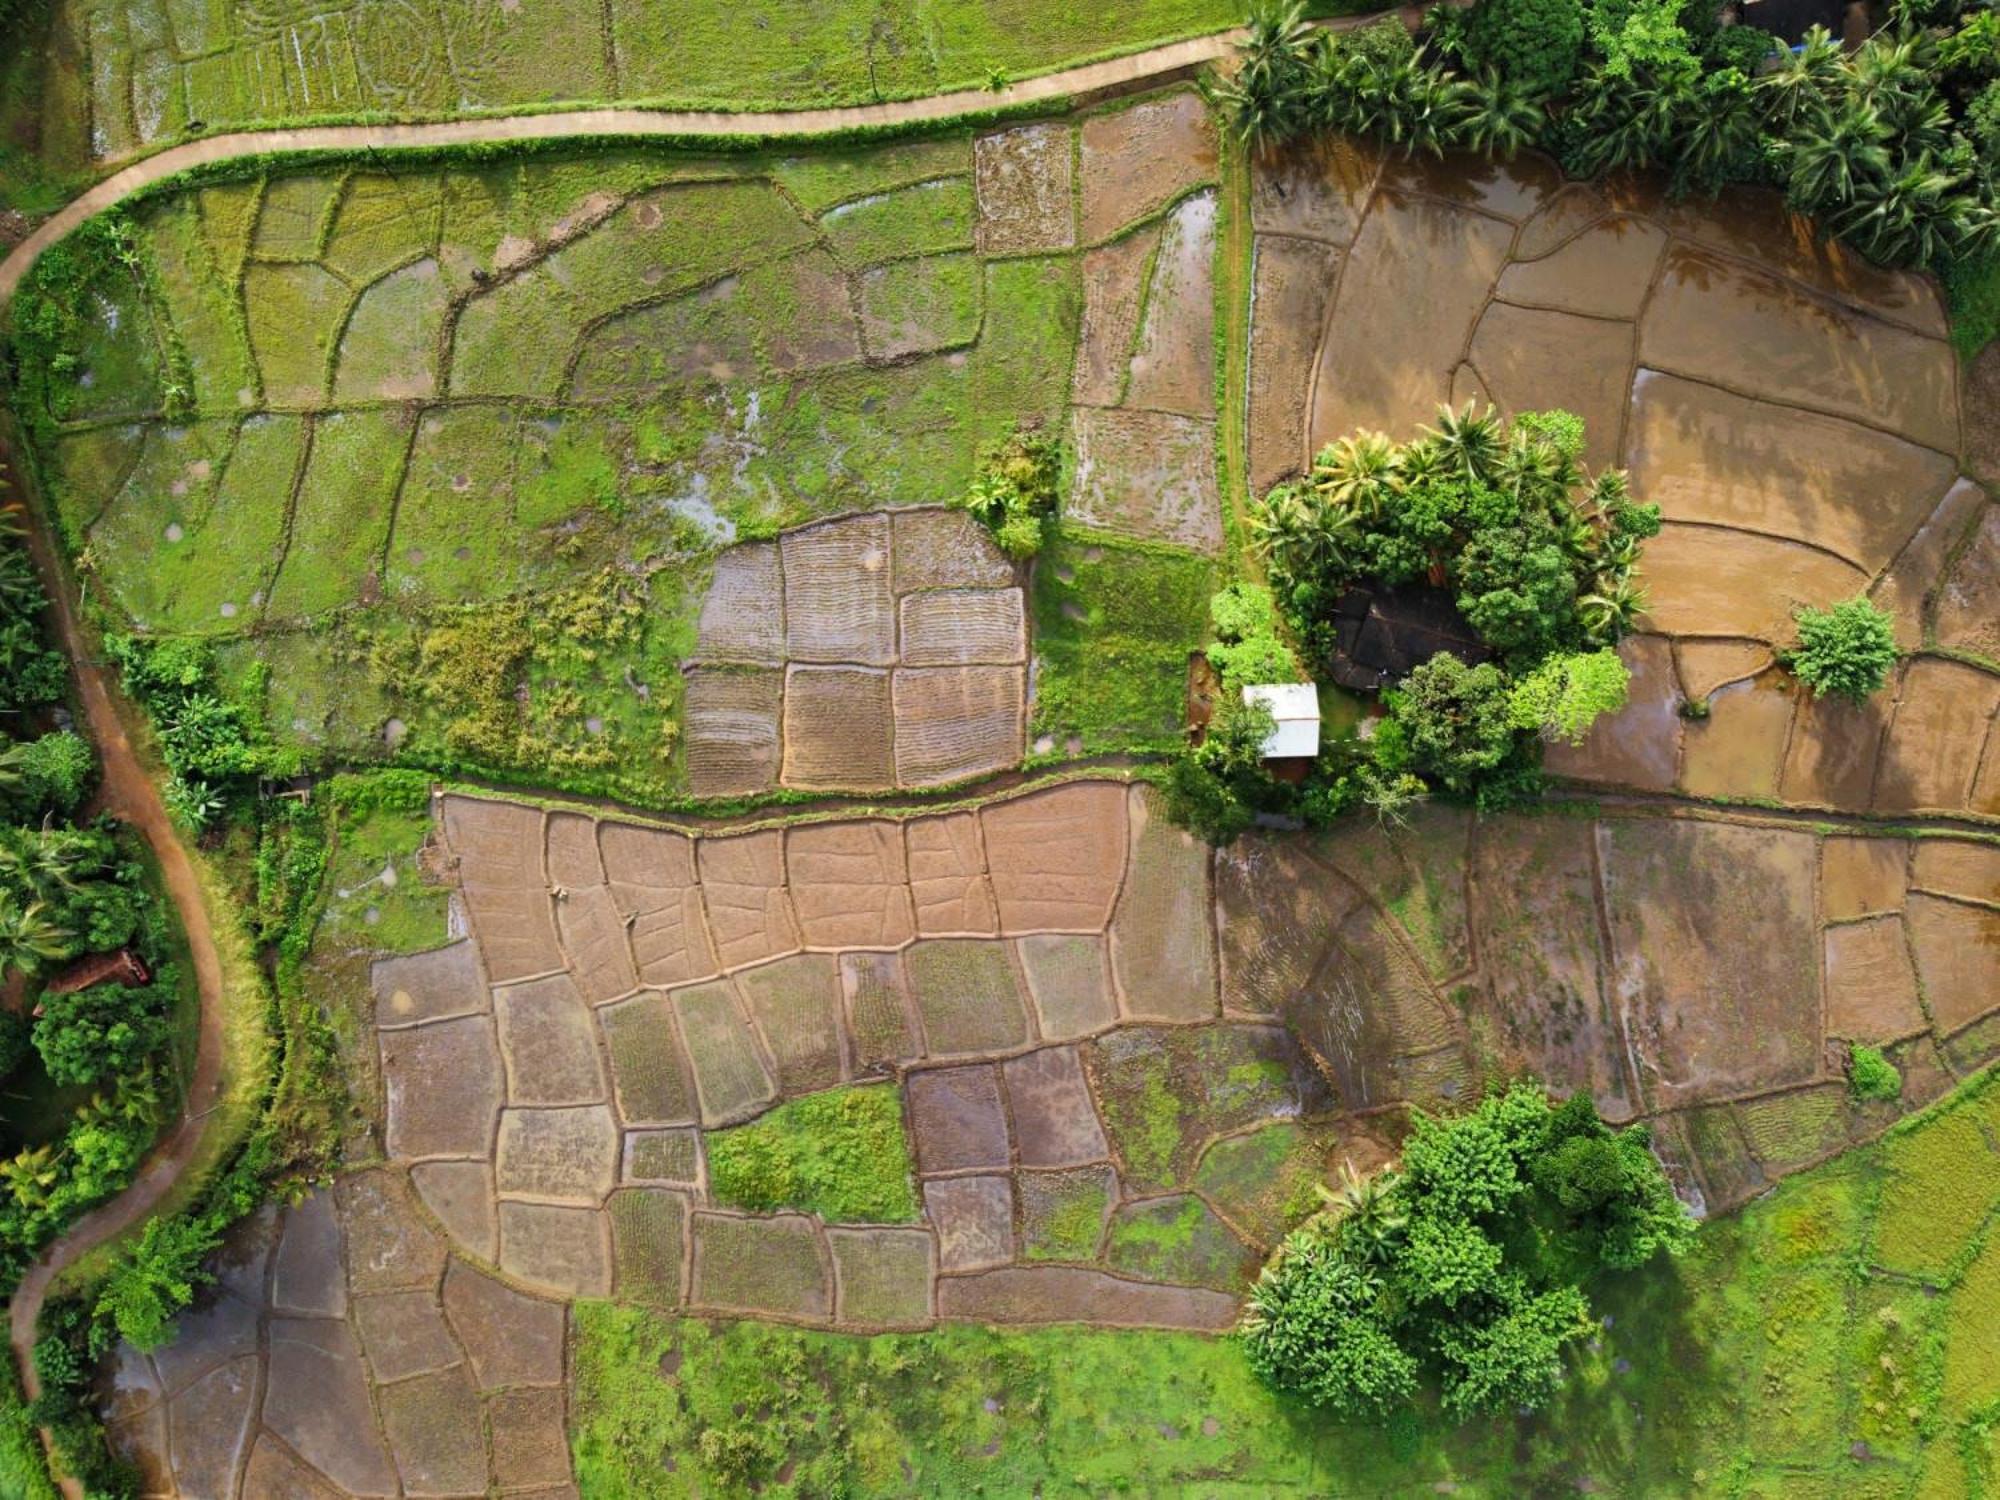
841	1155
1113	629
1179	1240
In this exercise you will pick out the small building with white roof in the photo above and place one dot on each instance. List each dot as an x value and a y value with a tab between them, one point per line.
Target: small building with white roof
1294	710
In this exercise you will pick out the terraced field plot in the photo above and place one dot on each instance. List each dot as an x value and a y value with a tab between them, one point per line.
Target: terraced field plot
405	404
155	68
874	651
1121	1062
1113	1044
1792	409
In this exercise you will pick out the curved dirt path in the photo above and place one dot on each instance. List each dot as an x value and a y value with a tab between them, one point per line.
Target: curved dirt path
127	793
1134	68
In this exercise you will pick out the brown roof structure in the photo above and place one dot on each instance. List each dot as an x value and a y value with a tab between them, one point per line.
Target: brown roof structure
1383	634
122	966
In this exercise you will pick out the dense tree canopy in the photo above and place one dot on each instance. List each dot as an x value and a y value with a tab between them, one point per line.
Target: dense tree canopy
1466	1267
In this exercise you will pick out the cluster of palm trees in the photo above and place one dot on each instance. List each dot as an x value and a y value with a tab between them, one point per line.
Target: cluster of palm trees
1314	534
1296	80
1876	143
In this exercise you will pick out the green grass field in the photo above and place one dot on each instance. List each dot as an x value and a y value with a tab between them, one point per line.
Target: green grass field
440	459
1782	1358
158	69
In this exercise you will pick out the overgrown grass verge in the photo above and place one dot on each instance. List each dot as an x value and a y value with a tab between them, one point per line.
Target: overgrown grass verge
841	1154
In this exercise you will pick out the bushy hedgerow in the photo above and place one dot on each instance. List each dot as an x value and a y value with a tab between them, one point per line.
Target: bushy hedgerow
1465	1268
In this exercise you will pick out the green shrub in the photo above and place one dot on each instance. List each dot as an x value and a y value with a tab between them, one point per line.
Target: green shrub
1845	651
1014	493
1871	1076
1565	695
1215	788
1457	721
107	1030
1535	43
56	771
841	1154
1247	647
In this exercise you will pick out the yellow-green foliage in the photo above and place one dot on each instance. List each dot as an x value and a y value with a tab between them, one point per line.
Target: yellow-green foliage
1939	1190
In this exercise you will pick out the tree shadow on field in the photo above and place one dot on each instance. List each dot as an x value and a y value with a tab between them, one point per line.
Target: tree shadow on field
1644	1398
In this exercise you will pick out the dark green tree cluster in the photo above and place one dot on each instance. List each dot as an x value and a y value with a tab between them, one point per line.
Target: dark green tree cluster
1466	1269
66	891
1895	148
1540	556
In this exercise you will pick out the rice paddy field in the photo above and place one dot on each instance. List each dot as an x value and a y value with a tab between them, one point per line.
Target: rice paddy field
1835	1338
567	518
440	462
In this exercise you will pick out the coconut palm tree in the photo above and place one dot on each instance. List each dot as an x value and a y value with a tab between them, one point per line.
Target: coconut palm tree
28	938
1913	214
1715	133
1268	97
1626	122
1801	84
1612	609
1831	153
1892	76
1470	444
1359	473
1499	117
31	1175
1366	1213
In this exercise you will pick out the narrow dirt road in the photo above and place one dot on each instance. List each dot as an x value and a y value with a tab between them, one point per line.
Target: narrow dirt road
1133	69
128	794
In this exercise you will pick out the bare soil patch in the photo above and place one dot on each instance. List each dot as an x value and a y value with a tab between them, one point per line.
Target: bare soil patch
1114	283
743	889
1070	982
1967	616
883	1276
948	883
955	723
1293	287
796	1005
1602	273
1023	179
1871	989
549	1044
1932	752
1415	281
1822	357
443	1086
849	884
1704	454
1138	158
1861	877
1712	946
1056	857
838	729
1144	474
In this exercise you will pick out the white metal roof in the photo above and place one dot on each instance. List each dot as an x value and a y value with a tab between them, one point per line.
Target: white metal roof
1295	709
